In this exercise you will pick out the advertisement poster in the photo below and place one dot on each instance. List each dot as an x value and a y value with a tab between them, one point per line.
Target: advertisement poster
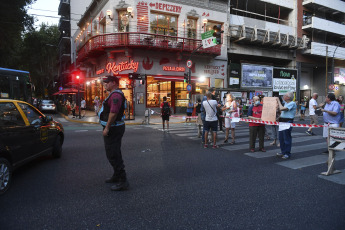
256	76
284	80
339	75
268	113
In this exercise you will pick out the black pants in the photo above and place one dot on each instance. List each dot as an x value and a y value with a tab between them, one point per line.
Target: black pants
112	144
255	131
220	121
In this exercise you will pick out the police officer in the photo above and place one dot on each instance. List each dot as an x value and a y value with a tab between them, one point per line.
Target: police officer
111	117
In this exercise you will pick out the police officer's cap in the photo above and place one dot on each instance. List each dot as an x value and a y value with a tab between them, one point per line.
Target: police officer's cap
110	78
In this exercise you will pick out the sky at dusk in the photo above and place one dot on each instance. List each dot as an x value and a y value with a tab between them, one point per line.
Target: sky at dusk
45	11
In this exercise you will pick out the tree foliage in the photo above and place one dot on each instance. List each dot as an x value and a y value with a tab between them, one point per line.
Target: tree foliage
39	56
14	21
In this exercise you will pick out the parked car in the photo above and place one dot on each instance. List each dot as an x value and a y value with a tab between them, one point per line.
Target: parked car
47	106
25	133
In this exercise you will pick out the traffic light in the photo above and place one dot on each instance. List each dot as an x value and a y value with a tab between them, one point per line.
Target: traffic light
218	33
185	77
133	76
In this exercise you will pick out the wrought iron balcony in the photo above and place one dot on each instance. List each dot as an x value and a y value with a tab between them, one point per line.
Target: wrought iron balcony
98	44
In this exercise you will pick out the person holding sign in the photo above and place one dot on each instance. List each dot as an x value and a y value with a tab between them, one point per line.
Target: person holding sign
256	129
230	109
288	112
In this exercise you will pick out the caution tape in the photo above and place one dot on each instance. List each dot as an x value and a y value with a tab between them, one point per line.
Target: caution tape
255	121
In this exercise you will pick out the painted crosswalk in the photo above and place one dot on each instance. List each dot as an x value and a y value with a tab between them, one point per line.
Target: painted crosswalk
306	150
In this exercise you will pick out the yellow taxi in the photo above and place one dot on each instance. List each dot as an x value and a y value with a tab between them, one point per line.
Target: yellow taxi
25	133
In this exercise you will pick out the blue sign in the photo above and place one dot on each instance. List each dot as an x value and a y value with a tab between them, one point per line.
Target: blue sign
60	88
189	87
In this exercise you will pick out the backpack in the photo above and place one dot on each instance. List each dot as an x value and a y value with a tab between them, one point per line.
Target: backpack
166	109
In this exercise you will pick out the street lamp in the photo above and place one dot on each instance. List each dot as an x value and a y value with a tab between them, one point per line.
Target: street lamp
333	60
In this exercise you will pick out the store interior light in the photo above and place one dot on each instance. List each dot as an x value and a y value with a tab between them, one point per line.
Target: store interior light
109	14
87	83
204	21
202	79
305	87
130	11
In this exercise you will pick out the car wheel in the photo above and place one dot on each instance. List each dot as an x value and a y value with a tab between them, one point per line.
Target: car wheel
57	148
5	175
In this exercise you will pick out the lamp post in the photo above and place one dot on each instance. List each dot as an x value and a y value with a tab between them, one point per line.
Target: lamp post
79	102
333	60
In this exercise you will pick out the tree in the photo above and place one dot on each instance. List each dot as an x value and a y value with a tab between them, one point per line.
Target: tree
39	55
14	21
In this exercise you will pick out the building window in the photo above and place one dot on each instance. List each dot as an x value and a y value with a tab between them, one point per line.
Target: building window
219	83
191	28
123	21
163	24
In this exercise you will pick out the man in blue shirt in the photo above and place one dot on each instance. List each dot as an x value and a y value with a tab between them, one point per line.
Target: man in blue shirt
288	112
331	114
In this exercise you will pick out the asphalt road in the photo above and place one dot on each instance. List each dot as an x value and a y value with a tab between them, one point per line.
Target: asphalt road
175	184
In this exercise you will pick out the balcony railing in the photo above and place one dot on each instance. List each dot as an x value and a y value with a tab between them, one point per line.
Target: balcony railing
142	40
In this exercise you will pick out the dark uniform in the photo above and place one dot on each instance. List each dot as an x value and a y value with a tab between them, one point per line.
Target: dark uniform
115	103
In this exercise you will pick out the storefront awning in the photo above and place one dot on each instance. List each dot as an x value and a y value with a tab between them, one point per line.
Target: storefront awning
68	91
173	78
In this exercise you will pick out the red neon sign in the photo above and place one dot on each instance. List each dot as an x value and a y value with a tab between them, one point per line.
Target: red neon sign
122	66
100	71
174	68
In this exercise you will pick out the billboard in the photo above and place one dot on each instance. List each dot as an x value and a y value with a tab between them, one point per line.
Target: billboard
284	80
256	76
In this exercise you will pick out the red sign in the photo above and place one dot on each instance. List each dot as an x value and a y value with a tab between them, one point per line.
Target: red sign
122	66
189	63
98	72
331	87
166	7
174	68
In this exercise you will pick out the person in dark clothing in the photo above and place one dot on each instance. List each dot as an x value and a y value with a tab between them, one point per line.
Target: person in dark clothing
112	119
165	111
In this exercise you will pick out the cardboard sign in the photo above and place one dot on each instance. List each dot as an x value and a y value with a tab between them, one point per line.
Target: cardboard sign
269	109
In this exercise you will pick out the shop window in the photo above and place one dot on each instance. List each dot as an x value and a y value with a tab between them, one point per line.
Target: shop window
210	25
156	90
191	28
163	24
123	21
218	83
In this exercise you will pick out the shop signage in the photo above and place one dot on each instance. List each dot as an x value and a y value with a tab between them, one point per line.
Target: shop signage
122	66
208	40
174	68
257	76
98	72
166	7
284	79
235	75
214	69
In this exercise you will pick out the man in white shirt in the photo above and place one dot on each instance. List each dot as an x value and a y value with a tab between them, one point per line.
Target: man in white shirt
313	117
211	120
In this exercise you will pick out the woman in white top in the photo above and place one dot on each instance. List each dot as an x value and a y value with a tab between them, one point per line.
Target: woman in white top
230	109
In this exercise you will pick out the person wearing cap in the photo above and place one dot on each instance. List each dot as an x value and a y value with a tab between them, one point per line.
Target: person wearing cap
111	117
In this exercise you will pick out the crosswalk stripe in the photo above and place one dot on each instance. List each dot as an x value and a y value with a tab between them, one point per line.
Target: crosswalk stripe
310	161
338	178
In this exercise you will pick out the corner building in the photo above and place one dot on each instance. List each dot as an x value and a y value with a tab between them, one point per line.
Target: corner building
147	45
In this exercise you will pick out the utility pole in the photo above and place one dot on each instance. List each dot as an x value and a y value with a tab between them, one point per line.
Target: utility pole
326	85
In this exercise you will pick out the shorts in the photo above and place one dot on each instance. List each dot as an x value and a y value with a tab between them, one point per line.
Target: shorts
302	111
229	124
313	119
325	129
165	117
211	125
189	114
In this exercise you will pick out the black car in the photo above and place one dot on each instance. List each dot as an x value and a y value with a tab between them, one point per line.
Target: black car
25	133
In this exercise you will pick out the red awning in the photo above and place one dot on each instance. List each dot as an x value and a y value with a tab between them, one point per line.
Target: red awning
173	78
68	91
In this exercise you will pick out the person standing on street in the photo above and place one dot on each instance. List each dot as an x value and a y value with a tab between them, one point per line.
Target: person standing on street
96	104
111	117
190	108
256	129
331	114
313	117
342	106
165	111
288	112
303	107
230	109
83	107
211	121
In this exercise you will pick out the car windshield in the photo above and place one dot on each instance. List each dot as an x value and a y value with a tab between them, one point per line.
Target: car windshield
47	102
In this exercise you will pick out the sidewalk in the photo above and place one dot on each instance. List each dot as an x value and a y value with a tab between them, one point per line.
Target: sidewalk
91	118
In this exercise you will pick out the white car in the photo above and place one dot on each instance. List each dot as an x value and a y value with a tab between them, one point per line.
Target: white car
48	106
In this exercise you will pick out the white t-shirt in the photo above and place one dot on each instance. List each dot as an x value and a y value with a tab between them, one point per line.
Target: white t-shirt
211	112
83	104
312	102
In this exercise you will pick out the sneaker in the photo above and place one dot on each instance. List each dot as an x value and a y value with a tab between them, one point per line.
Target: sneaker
215	146
262	150
309	133
205	146
113	179
252	150
120	186
285	157
279	155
